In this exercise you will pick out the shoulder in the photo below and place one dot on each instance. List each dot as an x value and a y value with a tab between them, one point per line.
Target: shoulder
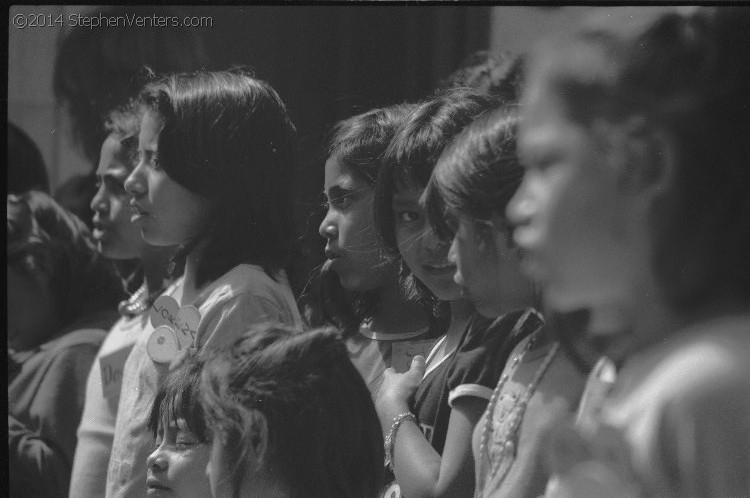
244	283
84	338
493	341
482	357
691	364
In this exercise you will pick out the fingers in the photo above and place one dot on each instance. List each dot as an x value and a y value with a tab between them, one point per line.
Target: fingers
417	366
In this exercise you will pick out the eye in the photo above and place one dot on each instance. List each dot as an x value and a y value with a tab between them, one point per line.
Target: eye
342	202
407	216
185	439
119	188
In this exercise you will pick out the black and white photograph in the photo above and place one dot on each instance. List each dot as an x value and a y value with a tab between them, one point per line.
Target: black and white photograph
378	250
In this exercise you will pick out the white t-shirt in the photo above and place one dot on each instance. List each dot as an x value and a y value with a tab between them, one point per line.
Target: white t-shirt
97	429
372	352
244	296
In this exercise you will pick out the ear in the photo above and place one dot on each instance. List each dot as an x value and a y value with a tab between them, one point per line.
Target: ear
642	156
502	233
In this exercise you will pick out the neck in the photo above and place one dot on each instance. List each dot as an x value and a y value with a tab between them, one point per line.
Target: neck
396	315
461	311
155	261
190	288
635	322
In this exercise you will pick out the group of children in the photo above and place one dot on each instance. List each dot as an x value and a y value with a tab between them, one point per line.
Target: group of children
545	296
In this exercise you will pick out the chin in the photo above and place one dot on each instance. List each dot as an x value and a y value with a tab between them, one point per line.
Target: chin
114	251
446	291
487	310
562	300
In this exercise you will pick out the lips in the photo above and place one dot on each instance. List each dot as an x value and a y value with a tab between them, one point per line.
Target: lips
138	212
154	486
331	254
441	268
98	231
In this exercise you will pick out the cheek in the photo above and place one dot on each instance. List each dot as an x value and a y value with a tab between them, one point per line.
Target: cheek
120	212
407	246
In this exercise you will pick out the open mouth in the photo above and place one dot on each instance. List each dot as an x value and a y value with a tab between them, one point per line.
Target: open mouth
97	232
137	211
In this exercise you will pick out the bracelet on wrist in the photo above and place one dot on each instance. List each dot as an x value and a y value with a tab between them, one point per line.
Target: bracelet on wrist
390	438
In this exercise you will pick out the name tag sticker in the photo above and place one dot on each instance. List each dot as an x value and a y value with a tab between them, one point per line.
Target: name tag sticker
404	351
111	367
174	328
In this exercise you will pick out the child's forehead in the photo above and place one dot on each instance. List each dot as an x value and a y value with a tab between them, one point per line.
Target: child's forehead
170	422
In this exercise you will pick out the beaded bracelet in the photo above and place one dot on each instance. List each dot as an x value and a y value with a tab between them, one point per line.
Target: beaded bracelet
390	439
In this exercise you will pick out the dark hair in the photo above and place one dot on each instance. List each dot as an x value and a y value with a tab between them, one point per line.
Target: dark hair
324	438
26	168
179	398
412	155
687	73
357	142
125	123
478	172
44	240
117	54
498	74
227	137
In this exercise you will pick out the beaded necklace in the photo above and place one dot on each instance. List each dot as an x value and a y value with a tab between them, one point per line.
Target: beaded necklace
508	446
135	304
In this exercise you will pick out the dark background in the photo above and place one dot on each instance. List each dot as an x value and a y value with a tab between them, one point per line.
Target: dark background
331	62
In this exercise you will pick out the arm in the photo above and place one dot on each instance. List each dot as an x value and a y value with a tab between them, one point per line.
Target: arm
40	456
419	469
37	467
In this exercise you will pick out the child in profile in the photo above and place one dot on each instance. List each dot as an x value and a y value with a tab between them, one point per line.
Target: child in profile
178	464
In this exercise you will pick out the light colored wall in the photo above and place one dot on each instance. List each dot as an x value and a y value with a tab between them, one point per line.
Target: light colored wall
31	103
517	29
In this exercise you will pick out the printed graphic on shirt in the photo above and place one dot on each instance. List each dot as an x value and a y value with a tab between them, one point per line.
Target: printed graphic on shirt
404	352
111	366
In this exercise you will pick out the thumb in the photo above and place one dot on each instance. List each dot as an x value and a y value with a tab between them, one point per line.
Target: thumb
417	365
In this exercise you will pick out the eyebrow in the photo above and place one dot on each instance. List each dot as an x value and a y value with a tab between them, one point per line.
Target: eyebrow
405	201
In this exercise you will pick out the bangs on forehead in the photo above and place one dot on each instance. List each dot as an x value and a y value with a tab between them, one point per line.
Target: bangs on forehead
407	179
182	410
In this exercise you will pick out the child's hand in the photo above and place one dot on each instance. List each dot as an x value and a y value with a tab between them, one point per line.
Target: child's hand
397	391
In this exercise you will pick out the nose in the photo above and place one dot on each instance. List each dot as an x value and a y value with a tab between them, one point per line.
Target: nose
135	184
98	203
157	460
521	205
431	241
328	229
453	258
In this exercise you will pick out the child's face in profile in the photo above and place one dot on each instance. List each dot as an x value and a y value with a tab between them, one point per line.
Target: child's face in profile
487	269
167	213
352	244
572	216
177	467
116	236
